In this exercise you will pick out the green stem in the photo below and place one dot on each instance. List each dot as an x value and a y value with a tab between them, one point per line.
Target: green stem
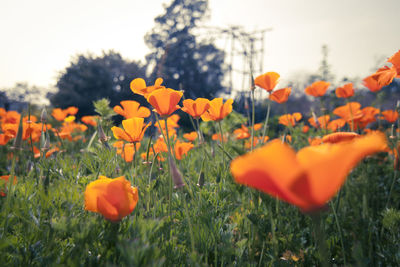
391	189
252	119
222	142
266	121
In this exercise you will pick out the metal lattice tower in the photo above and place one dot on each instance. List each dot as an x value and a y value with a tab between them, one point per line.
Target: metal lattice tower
244	55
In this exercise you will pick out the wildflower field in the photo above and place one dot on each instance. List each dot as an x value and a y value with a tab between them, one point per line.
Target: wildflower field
320	190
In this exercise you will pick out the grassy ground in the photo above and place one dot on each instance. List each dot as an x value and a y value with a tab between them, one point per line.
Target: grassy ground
43	221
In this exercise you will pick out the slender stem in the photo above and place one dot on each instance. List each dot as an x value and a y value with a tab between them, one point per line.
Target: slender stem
266	121
172	158
201	137
166	140
252	119
340	232
391	188
222	142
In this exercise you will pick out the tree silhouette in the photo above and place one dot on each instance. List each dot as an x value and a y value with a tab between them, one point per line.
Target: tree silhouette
90	78
178	57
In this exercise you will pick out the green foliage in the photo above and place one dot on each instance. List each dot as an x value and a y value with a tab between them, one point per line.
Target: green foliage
43	220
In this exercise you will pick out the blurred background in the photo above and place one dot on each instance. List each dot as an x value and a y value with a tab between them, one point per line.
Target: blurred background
70	53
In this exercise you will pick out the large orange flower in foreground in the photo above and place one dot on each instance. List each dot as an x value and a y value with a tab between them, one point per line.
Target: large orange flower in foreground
113	198
309	178
131	108
267	81
138	86
165	101
133	131
195	108
317	88
218	110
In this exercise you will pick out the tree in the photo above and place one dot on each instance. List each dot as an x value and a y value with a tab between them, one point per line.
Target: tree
90	78
178	57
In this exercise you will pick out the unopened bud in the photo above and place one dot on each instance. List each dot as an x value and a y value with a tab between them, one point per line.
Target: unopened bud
43	116
102	135
176	174
18	138
46	144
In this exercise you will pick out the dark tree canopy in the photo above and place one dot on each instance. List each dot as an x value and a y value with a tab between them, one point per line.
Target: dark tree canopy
178	57
90	78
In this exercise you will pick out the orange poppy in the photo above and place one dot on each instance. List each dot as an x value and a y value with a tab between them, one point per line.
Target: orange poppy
195	108
90	120
290	119
305	129
368	115
59	114
127	151
133	131
160	145
172	122
317	88
339	137
138	86
71	110
241	133
280	96
336	124
384	76
322	121
190	136
395	60
267	81
131	109
11	116
217	110
182	148
345	91
309	178
4	179
217	136
390	115
4	139
165	101
372	84
257	126
348	112
113	198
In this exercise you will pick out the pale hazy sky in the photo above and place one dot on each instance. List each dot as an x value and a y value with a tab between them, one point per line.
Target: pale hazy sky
39	37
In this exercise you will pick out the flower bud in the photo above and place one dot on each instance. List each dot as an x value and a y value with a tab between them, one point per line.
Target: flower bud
176	174
43	116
